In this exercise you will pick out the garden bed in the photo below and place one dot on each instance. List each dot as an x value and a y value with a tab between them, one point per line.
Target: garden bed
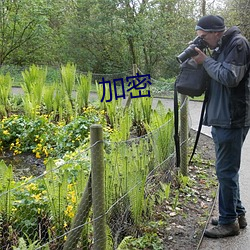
179	221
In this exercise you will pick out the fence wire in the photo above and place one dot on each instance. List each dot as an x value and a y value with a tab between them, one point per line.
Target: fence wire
41	210
45	210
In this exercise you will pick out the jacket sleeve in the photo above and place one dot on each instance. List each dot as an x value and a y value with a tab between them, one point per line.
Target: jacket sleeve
234	66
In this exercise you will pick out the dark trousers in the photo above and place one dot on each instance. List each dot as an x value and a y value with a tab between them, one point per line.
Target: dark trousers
228	145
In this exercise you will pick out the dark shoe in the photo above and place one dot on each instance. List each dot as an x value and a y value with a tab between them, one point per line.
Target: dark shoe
221	231
241	219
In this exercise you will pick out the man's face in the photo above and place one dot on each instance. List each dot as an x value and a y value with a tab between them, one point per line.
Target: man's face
211	38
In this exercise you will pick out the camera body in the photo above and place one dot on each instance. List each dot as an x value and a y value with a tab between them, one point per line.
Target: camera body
190	51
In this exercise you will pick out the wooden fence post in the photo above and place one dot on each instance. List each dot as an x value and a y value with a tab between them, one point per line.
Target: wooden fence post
80	218
129	97
184	135
98	194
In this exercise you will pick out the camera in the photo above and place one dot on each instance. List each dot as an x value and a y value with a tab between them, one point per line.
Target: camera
190	51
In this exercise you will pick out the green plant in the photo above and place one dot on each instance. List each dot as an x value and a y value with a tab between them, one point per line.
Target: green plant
43	137
30	207
161	126
34	81
146	106
29	244
126	172
68	74
100	92
184	181
164	191
5	90
48	98
176	199
6	196
147	241
56	187
83	91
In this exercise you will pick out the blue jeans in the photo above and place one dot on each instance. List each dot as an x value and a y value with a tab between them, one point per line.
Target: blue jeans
228	145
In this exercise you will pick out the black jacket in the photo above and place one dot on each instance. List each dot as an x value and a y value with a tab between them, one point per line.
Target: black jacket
229	90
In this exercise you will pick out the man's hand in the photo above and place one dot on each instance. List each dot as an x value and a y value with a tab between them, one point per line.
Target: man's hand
200	58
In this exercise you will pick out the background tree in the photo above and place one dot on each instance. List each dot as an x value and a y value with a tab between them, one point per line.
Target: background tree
237	13
21	26
105	36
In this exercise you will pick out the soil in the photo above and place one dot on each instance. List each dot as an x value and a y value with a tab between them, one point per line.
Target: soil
188	221
25	164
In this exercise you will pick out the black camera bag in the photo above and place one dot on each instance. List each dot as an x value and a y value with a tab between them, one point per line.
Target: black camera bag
192	79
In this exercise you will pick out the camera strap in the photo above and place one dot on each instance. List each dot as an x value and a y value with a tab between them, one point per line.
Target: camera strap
176	127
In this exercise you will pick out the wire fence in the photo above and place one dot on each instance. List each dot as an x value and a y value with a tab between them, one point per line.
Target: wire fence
73	206
43	209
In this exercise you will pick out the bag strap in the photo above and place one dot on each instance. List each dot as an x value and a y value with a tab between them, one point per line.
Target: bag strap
176	126
199	127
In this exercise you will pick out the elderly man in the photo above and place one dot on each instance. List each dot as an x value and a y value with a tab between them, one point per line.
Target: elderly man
228	112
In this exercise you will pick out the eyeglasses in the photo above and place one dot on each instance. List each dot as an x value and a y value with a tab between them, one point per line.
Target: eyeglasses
203	36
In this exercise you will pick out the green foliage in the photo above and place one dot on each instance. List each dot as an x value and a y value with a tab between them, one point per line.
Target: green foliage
164	191
147	241
83	90
162	140
23	28
48	98
126	171
29	245
184	181
43	137
6	184
127	160
104	36
68	74
141	109
5	90
34	81
57	188
30	206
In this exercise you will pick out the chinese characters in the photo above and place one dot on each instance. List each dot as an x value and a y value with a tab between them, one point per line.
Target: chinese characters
137	86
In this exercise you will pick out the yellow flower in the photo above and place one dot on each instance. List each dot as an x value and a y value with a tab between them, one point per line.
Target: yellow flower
31	187
6	132
16	152
73	199
38	156
14	209
45	151
37	196
69	211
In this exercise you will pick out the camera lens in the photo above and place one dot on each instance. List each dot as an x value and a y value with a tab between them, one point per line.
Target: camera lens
187	53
